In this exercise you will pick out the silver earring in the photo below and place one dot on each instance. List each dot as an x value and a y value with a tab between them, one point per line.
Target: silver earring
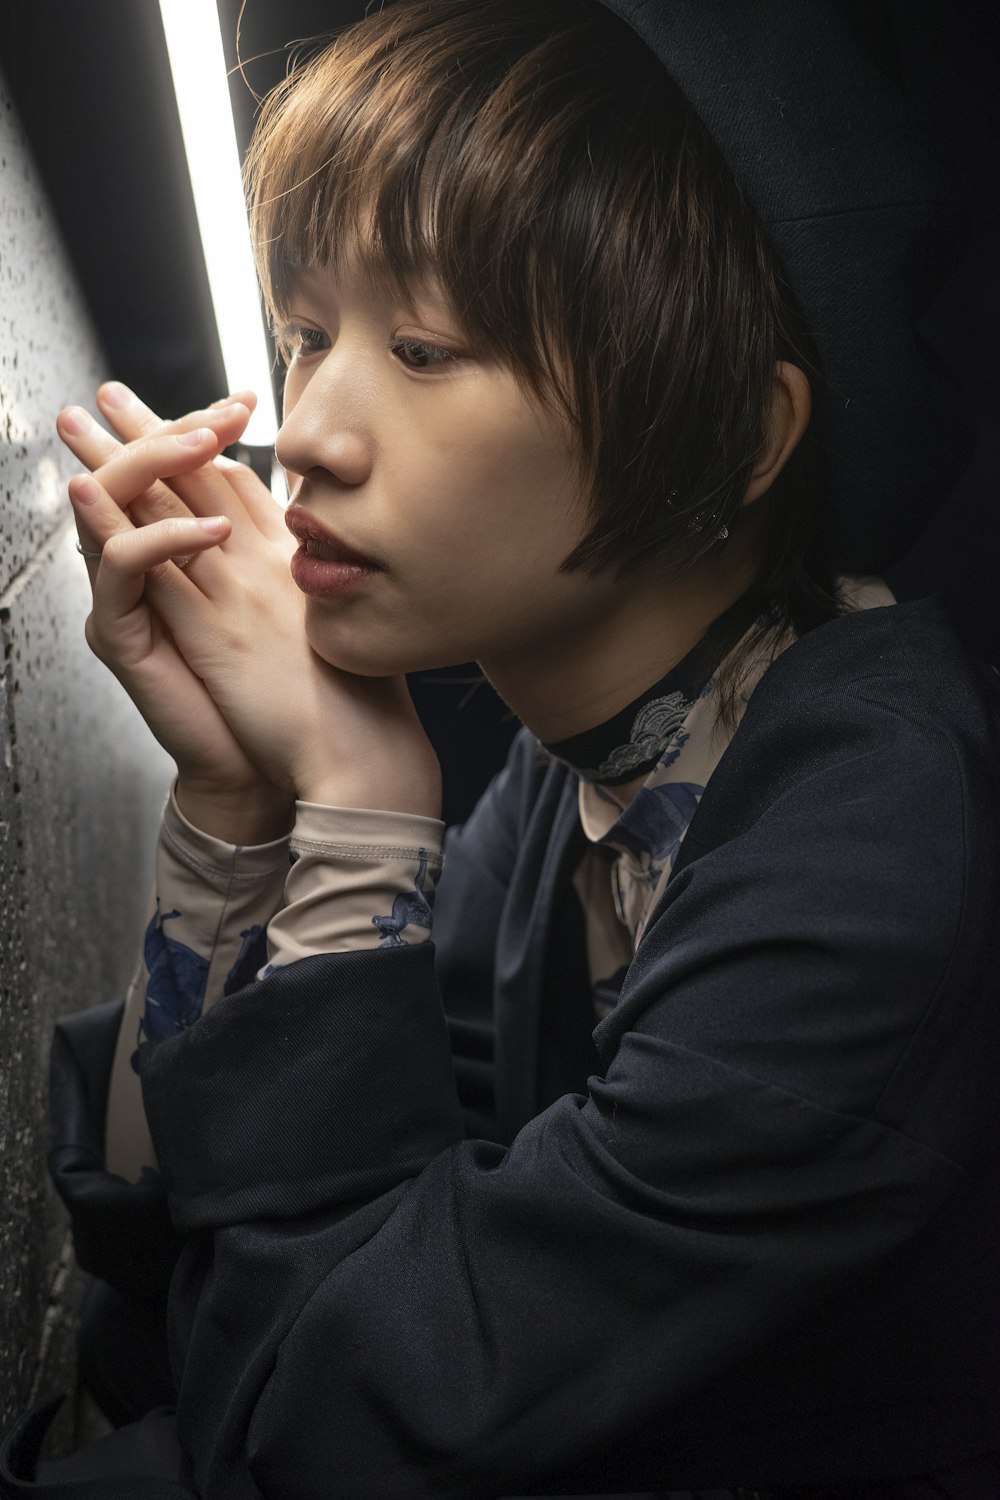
699	523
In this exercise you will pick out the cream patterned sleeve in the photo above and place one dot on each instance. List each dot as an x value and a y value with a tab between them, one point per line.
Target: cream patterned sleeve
359	879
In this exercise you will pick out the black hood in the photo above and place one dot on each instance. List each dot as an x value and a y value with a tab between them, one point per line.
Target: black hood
813	125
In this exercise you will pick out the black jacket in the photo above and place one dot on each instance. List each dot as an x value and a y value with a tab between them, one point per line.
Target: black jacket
759	1245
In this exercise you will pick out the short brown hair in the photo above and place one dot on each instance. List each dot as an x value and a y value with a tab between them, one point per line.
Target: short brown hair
538	160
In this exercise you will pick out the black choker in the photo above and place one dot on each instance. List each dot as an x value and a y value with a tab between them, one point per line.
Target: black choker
630	744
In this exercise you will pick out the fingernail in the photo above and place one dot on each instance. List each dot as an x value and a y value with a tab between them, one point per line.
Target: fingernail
84	490
196	438
115	394
75	420
212	524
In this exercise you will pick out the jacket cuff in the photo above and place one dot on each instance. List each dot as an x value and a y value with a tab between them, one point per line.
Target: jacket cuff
351	1094
121	1230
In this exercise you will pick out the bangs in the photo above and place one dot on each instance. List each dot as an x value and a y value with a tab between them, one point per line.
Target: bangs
448	140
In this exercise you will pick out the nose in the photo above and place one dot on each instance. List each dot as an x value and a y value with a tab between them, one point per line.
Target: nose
324	427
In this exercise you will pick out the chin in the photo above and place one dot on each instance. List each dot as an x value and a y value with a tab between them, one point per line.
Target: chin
364	657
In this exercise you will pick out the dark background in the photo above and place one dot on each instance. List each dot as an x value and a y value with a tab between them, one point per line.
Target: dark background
92	86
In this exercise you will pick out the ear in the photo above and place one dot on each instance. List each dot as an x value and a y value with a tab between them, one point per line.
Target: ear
791	408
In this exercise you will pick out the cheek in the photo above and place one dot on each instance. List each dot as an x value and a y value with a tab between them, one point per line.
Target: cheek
504	486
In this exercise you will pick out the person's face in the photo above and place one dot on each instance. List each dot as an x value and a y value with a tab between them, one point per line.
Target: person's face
409	449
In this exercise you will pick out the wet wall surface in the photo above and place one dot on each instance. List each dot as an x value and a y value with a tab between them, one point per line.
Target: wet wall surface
81	781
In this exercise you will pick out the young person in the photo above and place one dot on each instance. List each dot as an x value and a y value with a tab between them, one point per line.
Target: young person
548	405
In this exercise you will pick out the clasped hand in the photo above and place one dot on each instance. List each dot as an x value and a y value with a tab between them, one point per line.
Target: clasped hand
195	612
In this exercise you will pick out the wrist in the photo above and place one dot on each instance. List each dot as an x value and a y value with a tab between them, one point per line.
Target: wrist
400	790
244	815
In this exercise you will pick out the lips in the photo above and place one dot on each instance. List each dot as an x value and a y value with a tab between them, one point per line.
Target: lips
325	566
316	541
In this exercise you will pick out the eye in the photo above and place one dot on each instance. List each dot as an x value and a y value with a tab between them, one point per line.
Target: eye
418	354
299	340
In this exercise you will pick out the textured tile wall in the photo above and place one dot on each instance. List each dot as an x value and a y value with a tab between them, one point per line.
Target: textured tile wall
81	781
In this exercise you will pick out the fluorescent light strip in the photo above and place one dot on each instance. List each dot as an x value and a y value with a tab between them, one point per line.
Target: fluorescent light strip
197	62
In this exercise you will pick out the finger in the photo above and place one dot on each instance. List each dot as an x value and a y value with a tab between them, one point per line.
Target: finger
88	441
247	397
91	444
133	467
131	418
267	514
200	485
129	554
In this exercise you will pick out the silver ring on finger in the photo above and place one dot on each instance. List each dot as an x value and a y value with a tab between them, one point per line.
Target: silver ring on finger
91	556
